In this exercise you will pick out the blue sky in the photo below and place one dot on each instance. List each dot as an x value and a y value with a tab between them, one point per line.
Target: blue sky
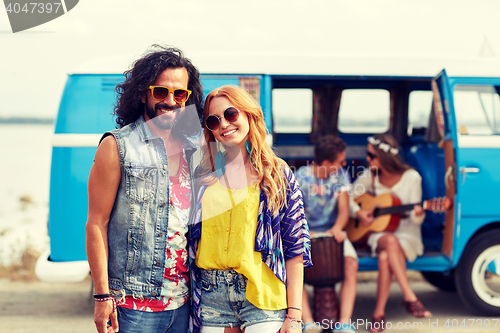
34	64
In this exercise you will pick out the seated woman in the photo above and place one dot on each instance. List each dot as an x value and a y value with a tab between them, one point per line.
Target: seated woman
249	238
388	173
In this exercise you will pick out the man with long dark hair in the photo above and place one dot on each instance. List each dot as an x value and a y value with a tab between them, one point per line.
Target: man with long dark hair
140	198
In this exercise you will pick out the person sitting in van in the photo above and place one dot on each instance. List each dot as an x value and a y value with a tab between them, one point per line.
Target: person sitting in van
387	173
140	198
325	187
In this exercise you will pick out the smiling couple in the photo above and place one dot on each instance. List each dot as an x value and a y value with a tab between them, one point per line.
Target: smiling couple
219	246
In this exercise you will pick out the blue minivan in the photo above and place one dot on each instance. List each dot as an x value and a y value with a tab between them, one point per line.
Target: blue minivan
448	128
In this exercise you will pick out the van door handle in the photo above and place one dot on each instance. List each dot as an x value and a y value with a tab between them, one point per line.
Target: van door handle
465	170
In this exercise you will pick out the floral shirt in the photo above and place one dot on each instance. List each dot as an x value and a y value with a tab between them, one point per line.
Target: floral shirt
175	290
279	237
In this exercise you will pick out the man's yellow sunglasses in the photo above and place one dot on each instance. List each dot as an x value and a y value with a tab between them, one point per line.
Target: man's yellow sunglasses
161	93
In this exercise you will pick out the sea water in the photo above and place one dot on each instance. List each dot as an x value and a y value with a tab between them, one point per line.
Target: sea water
25	152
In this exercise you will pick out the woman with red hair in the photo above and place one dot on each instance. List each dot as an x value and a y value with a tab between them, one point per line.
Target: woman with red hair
249	240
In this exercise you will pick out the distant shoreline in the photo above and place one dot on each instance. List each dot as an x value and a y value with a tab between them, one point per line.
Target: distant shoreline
27	120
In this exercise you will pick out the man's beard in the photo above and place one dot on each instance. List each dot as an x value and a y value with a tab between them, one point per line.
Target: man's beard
159	119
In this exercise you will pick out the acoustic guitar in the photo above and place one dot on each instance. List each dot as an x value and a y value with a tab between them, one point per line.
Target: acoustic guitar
387	213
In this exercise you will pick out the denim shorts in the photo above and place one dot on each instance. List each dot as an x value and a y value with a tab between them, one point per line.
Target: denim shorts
224	304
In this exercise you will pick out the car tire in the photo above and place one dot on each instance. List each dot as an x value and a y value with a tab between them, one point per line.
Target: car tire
444	281
476	285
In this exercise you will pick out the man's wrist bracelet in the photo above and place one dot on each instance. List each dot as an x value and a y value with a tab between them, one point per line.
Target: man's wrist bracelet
110	298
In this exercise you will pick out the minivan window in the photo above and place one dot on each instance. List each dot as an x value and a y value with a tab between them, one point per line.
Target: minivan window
477	109
364	111
419	109
292	110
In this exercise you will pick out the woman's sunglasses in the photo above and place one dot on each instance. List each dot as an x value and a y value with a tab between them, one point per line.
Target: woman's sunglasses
371	155
231	114
161	92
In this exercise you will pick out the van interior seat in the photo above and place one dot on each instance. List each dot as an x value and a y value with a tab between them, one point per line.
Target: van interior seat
426	262
428	159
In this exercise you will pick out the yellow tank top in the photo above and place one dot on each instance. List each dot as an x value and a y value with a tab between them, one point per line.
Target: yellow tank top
228	241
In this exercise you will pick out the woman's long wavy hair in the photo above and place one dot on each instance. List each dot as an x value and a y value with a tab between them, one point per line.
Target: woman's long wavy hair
269	167
392	163
129	106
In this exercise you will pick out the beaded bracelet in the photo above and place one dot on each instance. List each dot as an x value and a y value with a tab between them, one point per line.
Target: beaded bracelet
110	298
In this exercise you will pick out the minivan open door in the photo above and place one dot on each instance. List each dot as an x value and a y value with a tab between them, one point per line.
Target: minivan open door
471	112
471	127
442	112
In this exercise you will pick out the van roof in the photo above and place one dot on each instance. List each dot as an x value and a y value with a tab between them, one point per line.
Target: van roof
316	64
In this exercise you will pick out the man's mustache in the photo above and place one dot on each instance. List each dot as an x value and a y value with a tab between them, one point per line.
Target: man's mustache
166	107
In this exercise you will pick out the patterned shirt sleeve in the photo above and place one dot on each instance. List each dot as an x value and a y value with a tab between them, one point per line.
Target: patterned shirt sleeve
294	230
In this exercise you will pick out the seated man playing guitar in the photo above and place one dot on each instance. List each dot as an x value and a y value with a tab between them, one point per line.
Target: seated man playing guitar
388	173
325	187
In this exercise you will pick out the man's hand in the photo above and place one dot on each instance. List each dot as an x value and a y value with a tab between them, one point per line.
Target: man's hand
103	312
365	216
337	233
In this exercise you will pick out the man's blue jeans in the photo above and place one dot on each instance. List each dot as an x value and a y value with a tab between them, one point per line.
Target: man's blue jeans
134	321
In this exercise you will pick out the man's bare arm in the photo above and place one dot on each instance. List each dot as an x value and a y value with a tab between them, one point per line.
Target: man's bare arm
104	180
342	217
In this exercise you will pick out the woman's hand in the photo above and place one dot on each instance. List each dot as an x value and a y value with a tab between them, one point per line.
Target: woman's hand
418	210
365	216
291	325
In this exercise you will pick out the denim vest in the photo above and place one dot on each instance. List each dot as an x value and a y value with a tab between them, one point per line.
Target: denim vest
137	229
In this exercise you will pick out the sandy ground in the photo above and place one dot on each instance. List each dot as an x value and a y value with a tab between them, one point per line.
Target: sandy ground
28	306
445	306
